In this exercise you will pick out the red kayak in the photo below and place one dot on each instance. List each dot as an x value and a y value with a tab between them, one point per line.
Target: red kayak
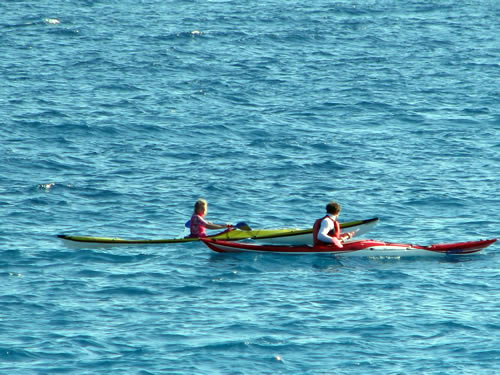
353	247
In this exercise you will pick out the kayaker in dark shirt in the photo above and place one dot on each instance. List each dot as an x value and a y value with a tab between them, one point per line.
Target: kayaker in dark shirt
198	224
326	230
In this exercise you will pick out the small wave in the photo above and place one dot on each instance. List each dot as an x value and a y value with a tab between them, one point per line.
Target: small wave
189	289
52	21
16	355
46	186
127	291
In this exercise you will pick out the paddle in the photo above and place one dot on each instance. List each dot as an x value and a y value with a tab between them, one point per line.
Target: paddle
241	225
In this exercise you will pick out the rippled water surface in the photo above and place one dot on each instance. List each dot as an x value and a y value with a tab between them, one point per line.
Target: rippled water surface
116	116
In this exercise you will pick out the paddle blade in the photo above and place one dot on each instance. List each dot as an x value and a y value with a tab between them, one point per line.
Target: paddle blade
243	226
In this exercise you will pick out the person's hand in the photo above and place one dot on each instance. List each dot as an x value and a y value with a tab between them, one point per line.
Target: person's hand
336	242
348	235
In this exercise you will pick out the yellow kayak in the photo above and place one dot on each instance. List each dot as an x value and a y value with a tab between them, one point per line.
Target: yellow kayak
279	236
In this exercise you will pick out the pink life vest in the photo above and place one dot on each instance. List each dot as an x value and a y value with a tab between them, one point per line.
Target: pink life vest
335	232
197	226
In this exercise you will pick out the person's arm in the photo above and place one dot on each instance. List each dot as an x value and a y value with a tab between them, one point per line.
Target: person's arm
210	225
326	226
324	229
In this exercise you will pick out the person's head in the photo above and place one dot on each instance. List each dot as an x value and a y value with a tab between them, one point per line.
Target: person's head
333	208
200	207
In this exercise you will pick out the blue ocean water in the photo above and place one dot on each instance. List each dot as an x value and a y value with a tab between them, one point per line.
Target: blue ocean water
117	115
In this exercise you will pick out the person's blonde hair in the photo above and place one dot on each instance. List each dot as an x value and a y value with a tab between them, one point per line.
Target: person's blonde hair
200	206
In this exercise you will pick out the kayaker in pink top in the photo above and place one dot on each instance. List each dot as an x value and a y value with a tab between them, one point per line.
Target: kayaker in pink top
198	224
